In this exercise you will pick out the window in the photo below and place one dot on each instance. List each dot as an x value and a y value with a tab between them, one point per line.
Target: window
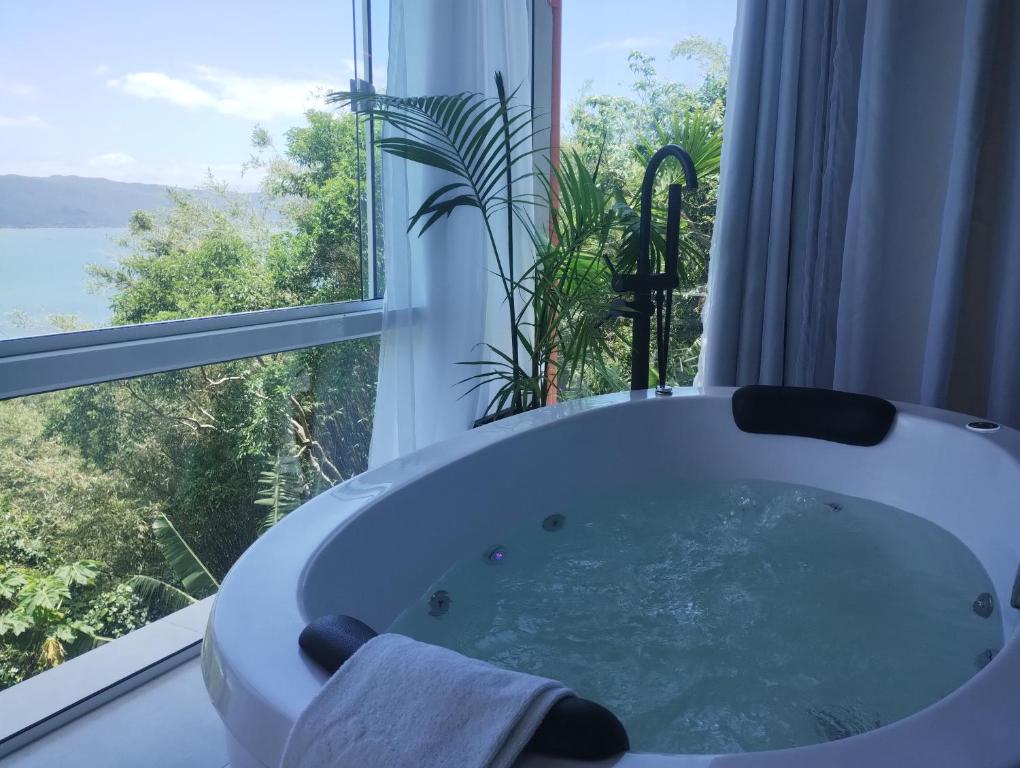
123	501
164	166
632	82
190	273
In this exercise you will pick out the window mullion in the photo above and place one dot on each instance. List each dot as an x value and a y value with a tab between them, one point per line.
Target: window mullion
47	370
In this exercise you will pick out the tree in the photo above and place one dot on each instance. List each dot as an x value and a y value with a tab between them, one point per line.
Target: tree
316	178
51	608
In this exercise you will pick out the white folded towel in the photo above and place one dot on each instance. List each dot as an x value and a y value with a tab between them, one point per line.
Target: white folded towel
398	703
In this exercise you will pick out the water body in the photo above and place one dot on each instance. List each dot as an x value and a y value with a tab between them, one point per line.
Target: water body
43	273
723	617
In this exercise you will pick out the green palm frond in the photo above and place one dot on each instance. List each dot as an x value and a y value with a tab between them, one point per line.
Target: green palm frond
280	490
485	145
697	131
583	213
161	597
186	565
471	136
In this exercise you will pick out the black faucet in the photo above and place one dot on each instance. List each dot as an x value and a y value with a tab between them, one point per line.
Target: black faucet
643	283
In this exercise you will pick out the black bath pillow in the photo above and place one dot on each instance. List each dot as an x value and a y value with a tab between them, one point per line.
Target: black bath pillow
331	640
824	414
574	728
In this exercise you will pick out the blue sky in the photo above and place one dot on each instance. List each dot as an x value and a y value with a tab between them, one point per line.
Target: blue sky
167	92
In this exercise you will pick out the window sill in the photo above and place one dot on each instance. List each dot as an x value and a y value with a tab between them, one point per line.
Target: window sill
49	700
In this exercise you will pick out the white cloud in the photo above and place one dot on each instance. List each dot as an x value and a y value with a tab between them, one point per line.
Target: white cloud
229	93
626	44
22	121
156	85
17	88
115	159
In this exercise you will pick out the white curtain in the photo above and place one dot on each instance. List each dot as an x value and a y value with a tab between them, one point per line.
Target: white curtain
867	235
442	300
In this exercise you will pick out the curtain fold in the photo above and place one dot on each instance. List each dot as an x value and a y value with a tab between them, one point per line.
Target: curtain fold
442	301
866	234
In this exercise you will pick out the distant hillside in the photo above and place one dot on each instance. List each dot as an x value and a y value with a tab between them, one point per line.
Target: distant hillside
74	201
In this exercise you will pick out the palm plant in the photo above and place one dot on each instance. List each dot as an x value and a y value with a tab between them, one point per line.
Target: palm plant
281	489
281	492
570	289
485	145
558	306
195	579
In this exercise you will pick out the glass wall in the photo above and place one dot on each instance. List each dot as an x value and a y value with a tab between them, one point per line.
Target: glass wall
632	82
179	161
121	502
173	162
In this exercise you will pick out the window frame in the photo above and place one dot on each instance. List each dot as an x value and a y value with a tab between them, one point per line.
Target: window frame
36	364
32	365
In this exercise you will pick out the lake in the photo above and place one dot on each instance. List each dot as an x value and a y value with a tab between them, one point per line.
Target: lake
43	273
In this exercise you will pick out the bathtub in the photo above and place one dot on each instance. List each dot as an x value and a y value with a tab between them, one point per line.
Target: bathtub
372	545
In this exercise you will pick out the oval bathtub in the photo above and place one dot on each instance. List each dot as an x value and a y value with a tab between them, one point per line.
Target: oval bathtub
372	546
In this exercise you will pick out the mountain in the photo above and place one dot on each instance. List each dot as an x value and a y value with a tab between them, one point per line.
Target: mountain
74	201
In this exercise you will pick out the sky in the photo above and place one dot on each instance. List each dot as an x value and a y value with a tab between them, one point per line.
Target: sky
168	91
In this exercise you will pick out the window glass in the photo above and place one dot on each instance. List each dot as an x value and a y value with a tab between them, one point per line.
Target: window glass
632	82
101	486
175	160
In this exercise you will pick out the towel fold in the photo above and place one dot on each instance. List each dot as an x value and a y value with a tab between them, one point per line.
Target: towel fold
398	703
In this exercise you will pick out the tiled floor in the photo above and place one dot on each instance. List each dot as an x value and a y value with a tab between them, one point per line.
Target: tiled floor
166	723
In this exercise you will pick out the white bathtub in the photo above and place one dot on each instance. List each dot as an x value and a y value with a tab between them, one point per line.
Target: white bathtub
371	546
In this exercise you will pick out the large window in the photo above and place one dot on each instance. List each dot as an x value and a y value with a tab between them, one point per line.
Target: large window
631	82
123	501
190	273
180	161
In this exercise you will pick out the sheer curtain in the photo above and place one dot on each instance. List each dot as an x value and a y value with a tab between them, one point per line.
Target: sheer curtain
442	300
866	234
